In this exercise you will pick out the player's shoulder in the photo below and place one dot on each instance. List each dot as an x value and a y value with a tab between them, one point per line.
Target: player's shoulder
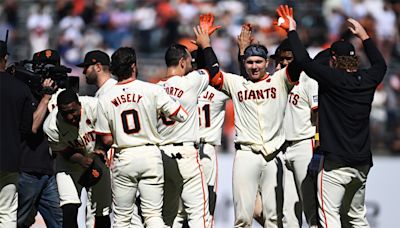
148	86
220	96
88	103
88	100
112	81
306	80
199	72
233	77
214	90
279	73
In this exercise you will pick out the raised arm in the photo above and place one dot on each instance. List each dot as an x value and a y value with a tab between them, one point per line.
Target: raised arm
244	40
203	32
49	87
378	65
321	73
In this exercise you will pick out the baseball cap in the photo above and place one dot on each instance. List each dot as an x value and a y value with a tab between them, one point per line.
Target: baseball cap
323	56
47	56
342	48
93	57
3	49
256	50
284	46
93	173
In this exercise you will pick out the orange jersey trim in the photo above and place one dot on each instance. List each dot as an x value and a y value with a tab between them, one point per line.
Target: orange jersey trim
322	199
202	187
217	81
103	133
177	110
126	82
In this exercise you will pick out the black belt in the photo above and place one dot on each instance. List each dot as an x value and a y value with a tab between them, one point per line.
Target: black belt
182	144
238	146
292	142
177	144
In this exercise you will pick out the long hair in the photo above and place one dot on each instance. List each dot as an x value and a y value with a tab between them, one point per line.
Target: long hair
349	63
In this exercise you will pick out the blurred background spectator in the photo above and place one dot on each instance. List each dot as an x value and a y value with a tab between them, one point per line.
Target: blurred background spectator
75	27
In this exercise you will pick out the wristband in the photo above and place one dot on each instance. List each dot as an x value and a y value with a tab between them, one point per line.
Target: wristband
316	137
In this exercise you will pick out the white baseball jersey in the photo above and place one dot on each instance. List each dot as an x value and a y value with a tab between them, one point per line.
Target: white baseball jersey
259	109
53	100
302	99
62	135
211	109
186	90
127	111
105	87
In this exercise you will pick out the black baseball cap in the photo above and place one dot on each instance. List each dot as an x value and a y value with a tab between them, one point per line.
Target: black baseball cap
47	56
284	46
342	48
93	57
3	49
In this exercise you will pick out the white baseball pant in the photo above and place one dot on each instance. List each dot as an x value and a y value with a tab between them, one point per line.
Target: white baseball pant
8	199
341	195
68	187
184	180
292	211
297	156
137	168
252	173
209	162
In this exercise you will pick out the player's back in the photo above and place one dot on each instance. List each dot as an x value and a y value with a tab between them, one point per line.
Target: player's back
186	90
131	111
211	108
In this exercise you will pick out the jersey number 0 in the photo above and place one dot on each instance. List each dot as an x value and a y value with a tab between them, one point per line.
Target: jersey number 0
126	117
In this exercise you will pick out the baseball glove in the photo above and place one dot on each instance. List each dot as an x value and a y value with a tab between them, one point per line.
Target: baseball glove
92	174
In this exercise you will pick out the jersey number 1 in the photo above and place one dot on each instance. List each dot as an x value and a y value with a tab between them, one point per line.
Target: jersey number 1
132	114
207	118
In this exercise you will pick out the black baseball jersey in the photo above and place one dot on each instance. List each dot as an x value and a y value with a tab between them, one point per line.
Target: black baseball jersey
344	103
16	116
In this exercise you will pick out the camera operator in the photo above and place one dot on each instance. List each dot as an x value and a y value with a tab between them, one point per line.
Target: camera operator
16	123
37	184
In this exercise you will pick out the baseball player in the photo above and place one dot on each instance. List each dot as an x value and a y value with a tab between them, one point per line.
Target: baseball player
299	125
259	135
127	119
300	132
96	68
70	131
211	108
345	97
184	177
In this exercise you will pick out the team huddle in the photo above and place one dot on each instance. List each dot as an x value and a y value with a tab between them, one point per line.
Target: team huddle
156	143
